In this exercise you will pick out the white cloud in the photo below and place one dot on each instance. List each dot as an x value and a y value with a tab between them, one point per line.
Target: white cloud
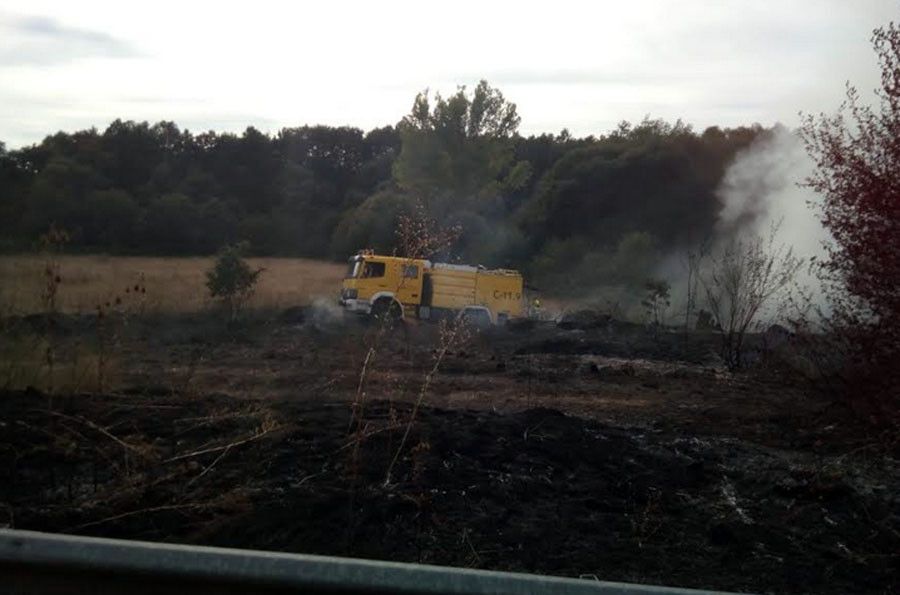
40	41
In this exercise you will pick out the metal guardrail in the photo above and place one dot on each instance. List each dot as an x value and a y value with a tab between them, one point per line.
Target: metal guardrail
32	562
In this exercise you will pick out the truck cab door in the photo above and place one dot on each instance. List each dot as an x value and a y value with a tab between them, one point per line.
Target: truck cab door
372	278
410	290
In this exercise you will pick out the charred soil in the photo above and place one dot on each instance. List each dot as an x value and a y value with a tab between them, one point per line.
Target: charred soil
577	452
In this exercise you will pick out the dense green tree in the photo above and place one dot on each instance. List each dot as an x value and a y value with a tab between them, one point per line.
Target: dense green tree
456	158
372	224
111	220
171	223
57	195
541	153
654	177
14	179
219	225
130	153
459	151
248	167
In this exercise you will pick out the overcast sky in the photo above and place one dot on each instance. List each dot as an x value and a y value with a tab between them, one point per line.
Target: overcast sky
577	65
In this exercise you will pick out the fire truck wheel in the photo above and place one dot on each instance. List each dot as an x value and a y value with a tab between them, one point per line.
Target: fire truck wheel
386	309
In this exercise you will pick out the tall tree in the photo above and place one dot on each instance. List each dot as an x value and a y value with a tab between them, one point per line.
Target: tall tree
13	181
459	150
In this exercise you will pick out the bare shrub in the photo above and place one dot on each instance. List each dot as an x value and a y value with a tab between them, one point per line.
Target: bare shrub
656	302
420	236
742	278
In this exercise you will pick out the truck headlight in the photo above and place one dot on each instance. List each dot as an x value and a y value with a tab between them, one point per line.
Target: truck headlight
349	294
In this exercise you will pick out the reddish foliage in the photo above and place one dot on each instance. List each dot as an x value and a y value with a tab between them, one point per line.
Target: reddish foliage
857	154
420	236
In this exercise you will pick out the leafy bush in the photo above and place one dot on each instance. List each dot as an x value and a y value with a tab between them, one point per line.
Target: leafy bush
857	157
231	280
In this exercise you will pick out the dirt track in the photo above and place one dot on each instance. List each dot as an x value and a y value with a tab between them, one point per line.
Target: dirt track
604	451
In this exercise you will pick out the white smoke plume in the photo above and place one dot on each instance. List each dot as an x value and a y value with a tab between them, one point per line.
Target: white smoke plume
324	314
761	188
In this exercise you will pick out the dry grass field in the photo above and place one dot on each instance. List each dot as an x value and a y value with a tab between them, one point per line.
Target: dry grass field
172	284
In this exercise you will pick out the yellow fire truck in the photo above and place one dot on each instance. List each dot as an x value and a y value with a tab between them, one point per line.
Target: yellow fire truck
395	287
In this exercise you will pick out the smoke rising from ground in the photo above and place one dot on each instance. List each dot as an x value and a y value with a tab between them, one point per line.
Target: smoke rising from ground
761	188
324	314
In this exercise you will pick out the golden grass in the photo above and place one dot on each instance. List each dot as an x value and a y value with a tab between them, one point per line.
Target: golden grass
173	284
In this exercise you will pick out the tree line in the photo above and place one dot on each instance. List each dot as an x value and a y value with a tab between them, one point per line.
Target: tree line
549	203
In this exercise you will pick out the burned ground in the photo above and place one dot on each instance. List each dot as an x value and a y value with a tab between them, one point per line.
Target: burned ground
604	451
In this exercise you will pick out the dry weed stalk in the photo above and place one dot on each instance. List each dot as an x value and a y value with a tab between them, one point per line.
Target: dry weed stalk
51	244
648	522
113	315
693	261
183	384
452	335
132	513
267	426
92	425
418	236
357	412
